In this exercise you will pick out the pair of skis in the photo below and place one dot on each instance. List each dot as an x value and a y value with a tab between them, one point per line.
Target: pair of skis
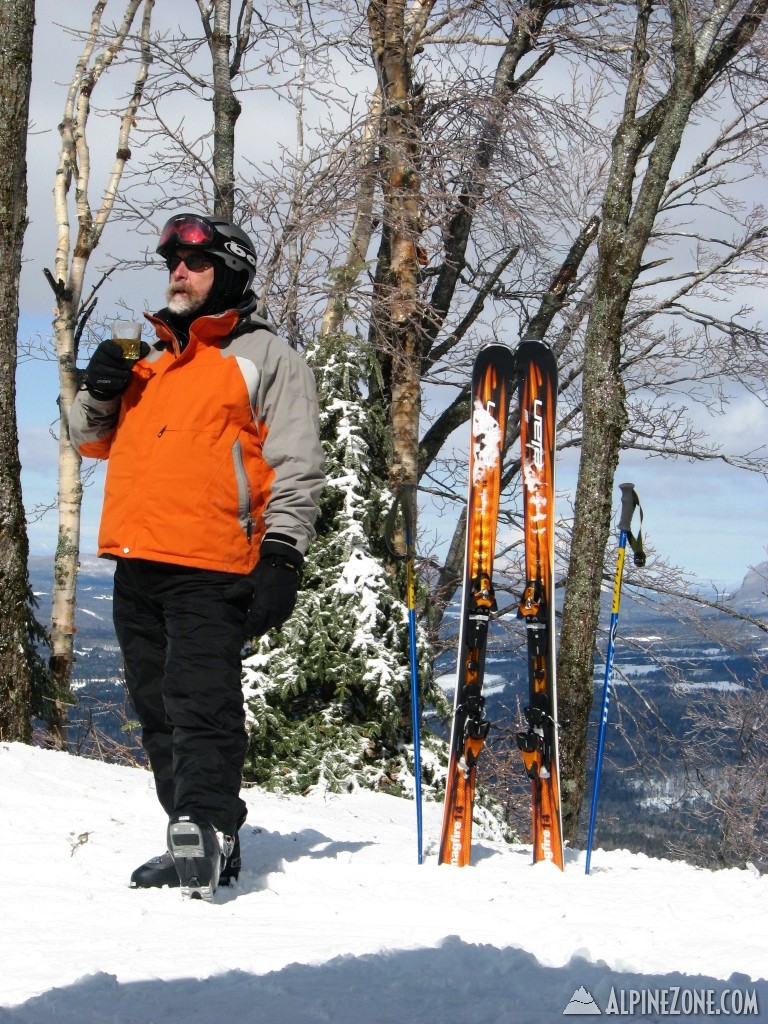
497	373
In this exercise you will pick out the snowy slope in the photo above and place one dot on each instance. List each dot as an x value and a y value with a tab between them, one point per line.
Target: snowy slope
334	921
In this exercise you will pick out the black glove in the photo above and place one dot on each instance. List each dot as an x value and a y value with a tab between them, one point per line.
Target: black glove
108	372
275	587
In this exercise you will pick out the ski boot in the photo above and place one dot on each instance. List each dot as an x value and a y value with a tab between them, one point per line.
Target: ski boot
155	873
199	853
161	871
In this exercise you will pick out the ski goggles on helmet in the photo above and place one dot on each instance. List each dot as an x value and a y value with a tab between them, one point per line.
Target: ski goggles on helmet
186	229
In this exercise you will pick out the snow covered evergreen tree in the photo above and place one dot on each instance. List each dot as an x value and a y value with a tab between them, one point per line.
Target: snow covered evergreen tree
328	696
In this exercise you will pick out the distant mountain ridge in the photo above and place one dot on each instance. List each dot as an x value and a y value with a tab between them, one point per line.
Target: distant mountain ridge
752	595
94	593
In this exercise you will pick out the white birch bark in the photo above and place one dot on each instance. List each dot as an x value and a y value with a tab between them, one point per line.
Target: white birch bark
77	237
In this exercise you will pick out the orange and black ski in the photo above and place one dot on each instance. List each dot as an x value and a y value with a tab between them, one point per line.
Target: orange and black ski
538	744
493	382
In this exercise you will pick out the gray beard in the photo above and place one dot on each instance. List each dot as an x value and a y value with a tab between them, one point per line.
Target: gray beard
182	304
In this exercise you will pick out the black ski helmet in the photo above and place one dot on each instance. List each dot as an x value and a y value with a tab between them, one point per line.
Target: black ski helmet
211	234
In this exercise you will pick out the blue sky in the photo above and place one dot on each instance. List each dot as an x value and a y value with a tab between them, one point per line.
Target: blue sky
707	518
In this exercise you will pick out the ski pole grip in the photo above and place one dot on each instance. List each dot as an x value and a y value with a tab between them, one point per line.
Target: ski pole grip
628	505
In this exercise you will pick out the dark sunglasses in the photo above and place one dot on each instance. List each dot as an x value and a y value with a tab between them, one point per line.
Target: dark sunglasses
192	261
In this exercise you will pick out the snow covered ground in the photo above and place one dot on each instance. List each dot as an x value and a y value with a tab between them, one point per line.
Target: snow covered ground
333	919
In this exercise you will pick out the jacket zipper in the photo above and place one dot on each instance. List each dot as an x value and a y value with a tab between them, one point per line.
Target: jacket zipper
244	495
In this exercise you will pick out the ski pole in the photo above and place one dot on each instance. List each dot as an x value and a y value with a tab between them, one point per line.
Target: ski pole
407	505
629	502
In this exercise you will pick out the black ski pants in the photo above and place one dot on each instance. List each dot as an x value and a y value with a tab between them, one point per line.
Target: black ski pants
181	633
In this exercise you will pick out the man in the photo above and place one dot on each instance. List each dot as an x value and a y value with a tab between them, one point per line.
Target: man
215	469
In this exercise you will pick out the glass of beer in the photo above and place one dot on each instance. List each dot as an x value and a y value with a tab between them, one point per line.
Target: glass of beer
127	334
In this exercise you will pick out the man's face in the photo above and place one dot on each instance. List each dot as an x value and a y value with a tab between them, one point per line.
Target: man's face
188	289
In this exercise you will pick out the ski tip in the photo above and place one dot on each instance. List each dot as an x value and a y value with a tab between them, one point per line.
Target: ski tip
491	348
533	339
495	344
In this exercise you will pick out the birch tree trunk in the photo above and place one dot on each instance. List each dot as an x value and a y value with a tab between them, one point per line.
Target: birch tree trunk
17	19
70	313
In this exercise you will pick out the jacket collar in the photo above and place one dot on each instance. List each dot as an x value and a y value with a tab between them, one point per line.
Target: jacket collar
251	314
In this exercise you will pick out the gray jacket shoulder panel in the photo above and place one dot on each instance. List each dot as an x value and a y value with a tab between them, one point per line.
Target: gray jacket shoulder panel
283	398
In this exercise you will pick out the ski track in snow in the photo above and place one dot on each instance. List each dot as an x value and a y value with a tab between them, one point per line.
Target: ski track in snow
333	920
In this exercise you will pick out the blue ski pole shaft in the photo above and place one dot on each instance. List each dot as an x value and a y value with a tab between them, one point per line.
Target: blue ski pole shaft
415	710
408	498
628	504
403	510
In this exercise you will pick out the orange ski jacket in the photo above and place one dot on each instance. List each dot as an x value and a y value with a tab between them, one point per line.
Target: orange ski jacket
213	451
